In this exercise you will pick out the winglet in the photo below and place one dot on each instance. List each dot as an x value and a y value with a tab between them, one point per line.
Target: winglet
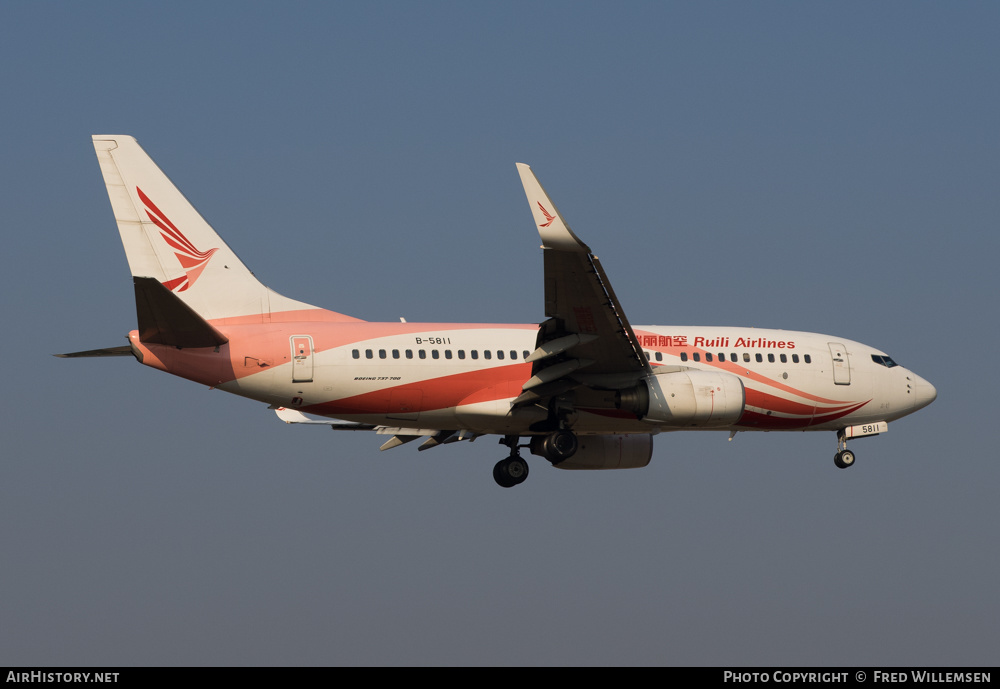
553	230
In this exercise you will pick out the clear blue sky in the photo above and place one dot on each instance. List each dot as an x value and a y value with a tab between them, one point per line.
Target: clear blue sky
830	167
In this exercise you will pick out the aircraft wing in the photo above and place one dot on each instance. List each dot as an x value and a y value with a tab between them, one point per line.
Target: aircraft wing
587	339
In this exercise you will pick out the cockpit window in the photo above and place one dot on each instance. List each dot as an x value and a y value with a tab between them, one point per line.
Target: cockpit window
884	360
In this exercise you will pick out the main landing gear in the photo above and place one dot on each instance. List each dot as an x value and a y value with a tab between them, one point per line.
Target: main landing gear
844	457
513	470
555	447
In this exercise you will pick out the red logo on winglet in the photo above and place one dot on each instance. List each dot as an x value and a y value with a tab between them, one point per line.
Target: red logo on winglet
192	261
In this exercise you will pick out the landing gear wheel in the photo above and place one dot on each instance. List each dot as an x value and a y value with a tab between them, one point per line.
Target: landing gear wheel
510	472
844	459
517	469
500	475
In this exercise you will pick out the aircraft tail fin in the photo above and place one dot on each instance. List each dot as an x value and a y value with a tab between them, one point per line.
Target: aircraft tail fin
167	240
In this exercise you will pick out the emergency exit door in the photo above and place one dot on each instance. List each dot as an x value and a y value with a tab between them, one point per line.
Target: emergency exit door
302	358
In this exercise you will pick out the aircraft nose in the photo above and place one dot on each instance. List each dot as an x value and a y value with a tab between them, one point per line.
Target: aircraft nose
923	392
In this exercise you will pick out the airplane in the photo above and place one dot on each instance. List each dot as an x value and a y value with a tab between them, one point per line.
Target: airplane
584	389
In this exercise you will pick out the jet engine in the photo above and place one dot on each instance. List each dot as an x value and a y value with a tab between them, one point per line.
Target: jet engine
687	399
602	452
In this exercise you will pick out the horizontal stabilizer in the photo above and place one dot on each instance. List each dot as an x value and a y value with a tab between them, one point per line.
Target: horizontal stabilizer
124	350
165	319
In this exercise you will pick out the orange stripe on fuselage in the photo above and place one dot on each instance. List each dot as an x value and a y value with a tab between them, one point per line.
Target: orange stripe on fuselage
266	344
469	387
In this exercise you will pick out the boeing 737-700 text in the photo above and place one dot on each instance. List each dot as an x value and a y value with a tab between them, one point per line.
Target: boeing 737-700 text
584	388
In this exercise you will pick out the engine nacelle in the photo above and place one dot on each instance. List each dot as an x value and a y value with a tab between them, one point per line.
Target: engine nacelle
687	399
606	452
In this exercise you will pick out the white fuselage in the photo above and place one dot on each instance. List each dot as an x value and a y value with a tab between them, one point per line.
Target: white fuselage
450	376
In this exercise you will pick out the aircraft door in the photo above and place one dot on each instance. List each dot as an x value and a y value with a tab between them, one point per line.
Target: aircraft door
302	358
841	364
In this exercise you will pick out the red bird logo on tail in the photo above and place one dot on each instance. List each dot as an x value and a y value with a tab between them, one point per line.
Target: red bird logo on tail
192	261
548	216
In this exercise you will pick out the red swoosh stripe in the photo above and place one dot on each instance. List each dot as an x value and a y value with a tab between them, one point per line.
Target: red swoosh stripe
756	419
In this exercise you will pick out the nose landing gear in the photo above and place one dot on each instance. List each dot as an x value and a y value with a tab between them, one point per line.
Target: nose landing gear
844	457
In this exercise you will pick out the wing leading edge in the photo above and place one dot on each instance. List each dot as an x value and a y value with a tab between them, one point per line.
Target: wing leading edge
586	339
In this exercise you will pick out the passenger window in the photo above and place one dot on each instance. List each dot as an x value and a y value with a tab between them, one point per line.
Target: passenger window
758	357
513	354
525	353
659	356
356	354
647	355
684	356
807	358
395	354
487	354
381	354
475	353
461	354
708	356
746	357
423	354
795	358
369	354
696	356
784	359
435	354
499	354
770	358
447	354
409	353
